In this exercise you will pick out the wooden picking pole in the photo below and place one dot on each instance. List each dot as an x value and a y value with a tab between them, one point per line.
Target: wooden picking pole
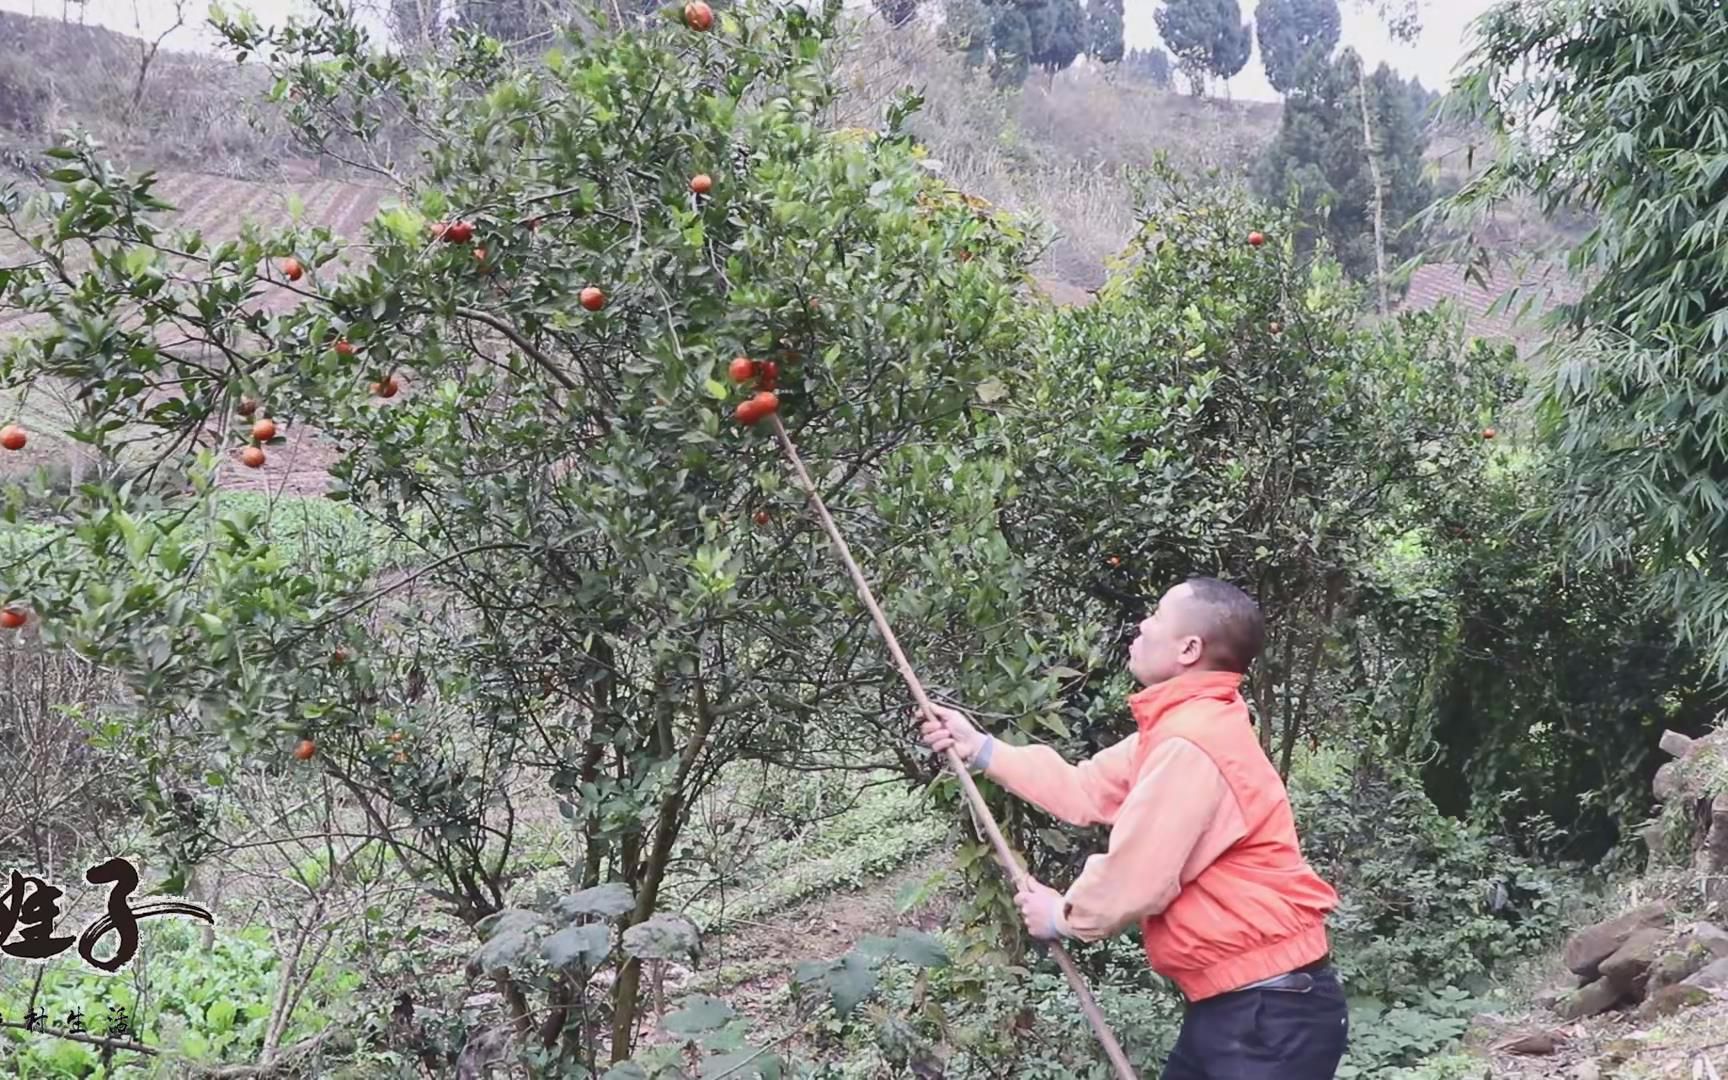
980	811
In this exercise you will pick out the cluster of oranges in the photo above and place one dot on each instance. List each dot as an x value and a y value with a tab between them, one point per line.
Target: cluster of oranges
263	430
764	402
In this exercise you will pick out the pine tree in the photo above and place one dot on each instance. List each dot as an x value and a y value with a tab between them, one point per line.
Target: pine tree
966	29
1104	31
1058	34
1295	36
1151	64
1010	45
1207	37
1320	149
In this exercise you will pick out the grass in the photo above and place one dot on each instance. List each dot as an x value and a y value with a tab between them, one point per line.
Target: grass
194	113
1064	151
887	828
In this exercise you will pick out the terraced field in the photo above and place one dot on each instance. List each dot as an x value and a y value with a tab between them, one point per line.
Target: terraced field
218	207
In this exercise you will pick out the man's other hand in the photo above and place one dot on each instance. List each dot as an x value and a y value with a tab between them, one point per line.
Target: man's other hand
1041	907
952	728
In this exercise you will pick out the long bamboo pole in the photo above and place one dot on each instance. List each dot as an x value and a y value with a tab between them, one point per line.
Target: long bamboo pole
980	810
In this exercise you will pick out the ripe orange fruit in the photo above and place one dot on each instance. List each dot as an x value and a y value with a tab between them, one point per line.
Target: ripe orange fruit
248	406
698	15
1255	239
459	232
386	387
1114	560
12	437
768	373
252	457
763	517
344	348
748	412
304	749
12	618
767	401
1489	433
264	430
591	297
291	269
742	369
701	183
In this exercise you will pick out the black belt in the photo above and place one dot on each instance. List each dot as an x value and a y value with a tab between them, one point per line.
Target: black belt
1298	980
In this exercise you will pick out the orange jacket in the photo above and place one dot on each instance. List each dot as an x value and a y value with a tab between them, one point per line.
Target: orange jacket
1203	850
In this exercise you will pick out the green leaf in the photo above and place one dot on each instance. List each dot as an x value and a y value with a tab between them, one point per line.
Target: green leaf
663	937
744	1063
607	901
916	947
578	946
852	982
697	1014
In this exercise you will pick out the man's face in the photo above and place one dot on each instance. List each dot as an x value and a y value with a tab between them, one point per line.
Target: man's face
1166	645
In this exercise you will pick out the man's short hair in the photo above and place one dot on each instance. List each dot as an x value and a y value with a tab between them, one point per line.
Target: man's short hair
1232	627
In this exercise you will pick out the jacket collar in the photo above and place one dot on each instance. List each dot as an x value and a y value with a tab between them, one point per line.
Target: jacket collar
1151	704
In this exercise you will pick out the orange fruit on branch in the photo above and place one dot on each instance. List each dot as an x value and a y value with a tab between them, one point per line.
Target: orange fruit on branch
1255	239
292	270
304	749
742	369
701	183
386	387
253	457
12	437
698	15
345	348
592	298
264	430
13	617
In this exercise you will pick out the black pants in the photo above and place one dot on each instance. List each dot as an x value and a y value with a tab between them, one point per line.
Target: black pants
1264	1034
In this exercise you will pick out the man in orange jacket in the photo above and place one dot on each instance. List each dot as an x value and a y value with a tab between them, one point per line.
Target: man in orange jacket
1203	852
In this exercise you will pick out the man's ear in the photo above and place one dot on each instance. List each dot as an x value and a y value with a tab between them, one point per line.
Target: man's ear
1193	648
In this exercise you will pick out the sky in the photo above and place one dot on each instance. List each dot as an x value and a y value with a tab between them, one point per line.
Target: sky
1430	58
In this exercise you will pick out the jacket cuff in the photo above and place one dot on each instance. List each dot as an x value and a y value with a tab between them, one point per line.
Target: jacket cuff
981	760
1059	918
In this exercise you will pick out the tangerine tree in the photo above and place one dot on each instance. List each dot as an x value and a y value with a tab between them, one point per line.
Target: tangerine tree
573	597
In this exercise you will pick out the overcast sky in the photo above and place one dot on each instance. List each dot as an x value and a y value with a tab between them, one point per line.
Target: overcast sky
1431	58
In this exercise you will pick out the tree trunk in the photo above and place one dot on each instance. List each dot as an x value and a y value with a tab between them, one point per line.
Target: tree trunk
1377	205
626	996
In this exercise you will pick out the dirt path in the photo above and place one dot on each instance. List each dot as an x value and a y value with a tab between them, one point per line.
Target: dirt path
750	962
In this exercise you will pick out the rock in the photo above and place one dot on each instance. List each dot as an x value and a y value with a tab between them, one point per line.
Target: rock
1697	946
1670	1000
1628	968
1710	937
1594	944
1589	1070
1666	783
1675	744
1599	996
1711	977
